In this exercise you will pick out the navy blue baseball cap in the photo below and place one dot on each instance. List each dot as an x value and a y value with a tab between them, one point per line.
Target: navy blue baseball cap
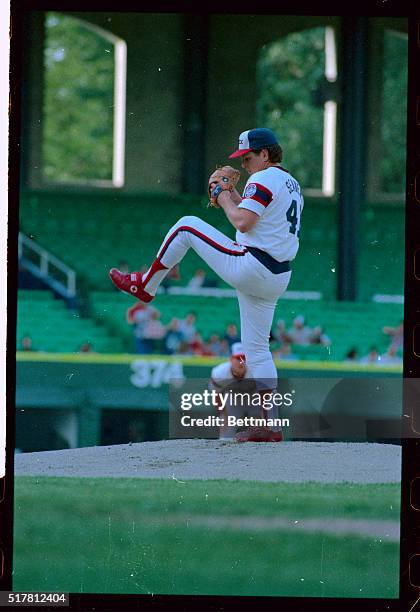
254	139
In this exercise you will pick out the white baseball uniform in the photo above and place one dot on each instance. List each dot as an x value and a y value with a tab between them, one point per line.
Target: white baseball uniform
222	380
275	196
221	375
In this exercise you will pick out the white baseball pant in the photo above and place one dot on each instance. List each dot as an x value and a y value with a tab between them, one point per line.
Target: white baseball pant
257	288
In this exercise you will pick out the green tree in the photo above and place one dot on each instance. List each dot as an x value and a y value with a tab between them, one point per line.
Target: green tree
78	103
288	73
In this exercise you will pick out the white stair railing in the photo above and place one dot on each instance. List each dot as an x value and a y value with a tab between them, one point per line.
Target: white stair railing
46	266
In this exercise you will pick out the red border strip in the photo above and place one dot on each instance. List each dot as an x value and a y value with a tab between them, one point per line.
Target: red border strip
260	197
264	189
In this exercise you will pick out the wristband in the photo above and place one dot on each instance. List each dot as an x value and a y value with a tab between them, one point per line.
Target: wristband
216	192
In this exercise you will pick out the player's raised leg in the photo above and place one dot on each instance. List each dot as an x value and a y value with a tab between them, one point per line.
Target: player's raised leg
221	253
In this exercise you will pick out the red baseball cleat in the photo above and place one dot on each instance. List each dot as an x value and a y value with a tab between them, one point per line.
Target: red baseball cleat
130	283
259	434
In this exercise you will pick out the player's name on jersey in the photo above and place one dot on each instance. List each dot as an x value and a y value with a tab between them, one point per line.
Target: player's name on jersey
232	421
292	185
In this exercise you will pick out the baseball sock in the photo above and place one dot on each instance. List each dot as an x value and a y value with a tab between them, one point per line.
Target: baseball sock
154	276
173	248
272	413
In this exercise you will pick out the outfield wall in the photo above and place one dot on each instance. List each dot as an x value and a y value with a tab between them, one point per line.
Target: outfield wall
72	400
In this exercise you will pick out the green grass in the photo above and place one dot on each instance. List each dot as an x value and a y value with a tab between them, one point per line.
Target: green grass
141	536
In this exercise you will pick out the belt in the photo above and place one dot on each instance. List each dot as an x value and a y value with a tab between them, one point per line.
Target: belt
276	267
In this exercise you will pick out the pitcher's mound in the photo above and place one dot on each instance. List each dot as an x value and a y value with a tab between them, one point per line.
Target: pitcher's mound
213	459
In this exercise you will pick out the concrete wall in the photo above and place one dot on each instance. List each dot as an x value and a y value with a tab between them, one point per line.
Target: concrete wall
157	84
32	92
232	73
154	96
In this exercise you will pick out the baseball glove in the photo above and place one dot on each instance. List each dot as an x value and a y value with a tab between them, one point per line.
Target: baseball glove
227	178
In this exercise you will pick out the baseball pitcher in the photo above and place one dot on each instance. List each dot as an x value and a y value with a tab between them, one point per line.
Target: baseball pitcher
267	220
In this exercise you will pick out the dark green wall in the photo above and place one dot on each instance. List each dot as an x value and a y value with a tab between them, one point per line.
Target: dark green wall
88	388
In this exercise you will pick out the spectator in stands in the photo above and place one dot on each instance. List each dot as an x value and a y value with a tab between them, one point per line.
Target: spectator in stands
173	338
390	357
299	333
284	352
279	332
153	332
225	350
352	354
26	343
214	345
319	337
86	347
196	345
138	315
183	349
371	357
187	326
198	280
231	335
396	334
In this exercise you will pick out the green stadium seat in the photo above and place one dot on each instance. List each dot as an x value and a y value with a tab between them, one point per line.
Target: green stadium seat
80	230
214	315
52	327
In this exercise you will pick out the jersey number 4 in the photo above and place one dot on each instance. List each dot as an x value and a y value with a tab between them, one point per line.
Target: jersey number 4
292	217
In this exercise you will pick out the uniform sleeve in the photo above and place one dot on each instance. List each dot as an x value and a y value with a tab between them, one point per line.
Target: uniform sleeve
257	194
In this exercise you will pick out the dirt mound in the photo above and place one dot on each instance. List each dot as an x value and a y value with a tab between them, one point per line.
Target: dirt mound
213	459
